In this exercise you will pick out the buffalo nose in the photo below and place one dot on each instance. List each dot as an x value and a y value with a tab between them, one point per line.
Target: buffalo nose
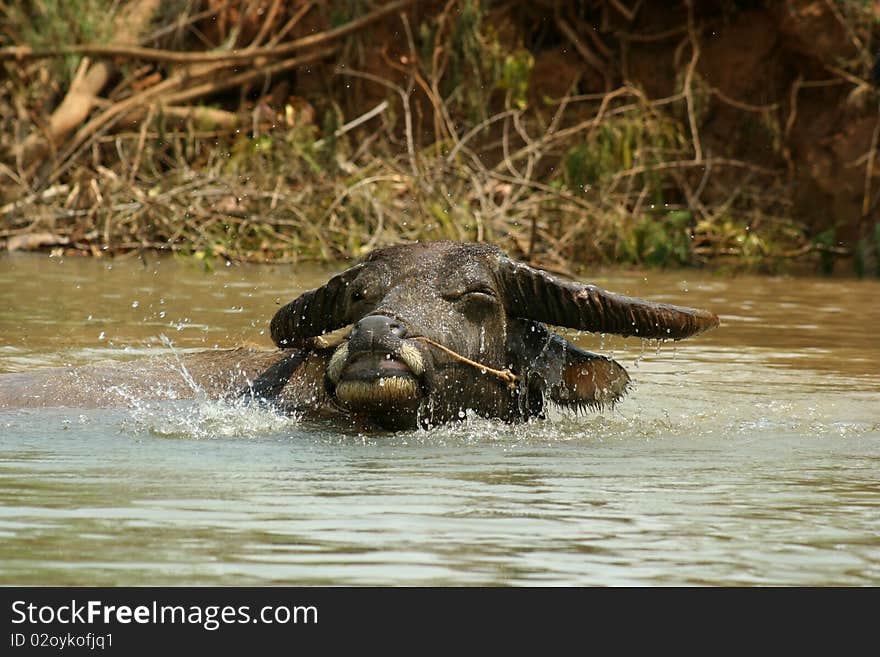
376	333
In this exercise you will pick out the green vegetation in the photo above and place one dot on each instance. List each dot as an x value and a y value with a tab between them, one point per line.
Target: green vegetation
435	123
54	23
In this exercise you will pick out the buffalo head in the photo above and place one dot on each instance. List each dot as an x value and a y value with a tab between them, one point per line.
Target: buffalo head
440	328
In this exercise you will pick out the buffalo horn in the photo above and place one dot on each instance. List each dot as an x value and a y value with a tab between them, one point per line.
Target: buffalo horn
533	294
314	313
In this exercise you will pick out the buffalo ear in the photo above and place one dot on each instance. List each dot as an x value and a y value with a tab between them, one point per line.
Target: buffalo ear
568	375
534	294
589	379
315	312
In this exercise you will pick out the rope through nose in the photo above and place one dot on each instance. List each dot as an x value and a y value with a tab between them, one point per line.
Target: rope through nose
504	375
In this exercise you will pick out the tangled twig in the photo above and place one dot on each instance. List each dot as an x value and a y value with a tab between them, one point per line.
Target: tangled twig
24	53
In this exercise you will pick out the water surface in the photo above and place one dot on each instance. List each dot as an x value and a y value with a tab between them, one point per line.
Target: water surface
748	455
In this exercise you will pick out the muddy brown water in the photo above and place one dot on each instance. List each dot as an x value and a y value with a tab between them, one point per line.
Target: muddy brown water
748	455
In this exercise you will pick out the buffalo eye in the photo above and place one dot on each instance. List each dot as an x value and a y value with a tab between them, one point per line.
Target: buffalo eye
475	302
363	293
367	292
480	293
476	293
363	289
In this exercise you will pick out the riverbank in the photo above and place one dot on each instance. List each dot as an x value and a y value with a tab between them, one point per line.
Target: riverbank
572	137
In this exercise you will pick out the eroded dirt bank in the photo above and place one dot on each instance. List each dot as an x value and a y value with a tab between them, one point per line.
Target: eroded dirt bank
689	133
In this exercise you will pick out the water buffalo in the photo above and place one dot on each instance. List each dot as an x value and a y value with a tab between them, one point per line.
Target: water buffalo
415	335
440	328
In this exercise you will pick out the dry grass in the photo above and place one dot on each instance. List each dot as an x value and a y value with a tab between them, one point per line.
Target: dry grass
192	151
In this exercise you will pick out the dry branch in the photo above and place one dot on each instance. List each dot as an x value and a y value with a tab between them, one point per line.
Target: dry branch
83	92
123	51
593	177
588	55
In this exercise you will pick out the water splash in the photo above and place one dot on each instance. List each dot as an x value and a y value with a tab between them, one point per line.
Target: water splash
209	419
201	417
187	377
